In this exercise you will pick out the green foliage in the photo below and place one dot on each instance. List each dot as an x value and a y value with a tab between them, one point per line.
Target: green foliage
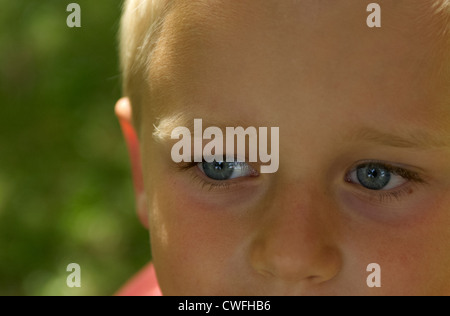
65	184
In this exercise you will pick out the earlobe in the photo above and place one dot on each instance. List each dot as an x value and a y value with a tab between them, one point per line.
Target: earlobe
124	114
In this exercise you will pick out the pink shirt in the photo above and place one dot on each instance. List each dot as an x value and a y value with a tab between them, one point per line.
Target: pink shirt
144	283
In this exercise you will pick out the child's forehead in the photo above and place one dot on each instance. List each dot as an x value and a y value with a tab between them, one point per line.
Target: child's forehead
412	21
233	51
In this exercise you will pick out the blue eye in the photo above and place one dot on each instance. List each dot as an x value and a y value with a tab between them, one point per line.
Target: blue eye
223	170
376	177
373	177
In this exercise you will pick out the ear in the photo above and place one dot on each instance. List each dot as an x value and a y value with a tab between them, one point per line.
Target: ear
123	113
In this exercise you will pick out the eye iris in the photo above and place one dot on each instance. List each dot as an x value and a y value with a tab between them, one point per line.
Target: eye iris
373	177
218	170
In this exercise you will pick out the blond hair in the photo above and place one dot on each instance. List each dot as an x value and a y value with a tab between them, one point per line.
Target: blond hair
140	30
141	27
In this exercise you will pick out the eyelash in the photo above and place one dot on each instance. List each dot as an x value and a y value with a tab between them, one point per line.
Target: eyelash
412	177
210	184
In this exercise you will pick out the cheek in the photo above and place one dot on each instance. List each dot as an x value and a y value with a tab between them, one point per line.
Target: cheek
195	241
412	244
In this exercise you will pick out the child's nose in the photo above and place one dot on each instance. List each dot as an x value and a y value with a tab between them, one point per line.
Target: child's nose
297	241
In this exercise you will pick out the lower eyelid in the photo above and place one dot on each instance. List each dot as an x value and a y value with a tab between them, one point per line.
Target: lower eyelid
218	185
398	194
388	197
200	178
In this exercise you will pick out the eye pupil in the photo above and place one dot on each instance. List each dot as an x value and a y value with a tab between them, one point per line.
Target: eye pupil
219	165
372	173
373	177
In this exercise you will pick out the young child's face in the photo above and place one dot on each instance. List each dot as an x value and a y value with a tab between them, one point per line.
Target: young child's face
343	95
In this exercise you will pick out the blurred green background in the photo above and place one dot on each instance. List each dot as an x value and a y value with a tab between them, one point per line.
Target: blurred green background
66	193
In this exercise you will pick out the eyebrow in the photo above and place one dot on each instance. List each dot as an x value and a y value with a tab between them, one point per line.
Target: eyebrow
418	139
412	139
162	129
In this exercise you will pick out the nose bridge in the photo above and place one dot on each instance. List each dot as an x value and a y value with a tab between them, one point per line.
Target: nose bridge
297	238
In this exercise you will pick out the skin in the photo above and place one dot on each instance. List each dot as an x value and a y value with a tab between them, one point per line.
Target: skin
314	69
